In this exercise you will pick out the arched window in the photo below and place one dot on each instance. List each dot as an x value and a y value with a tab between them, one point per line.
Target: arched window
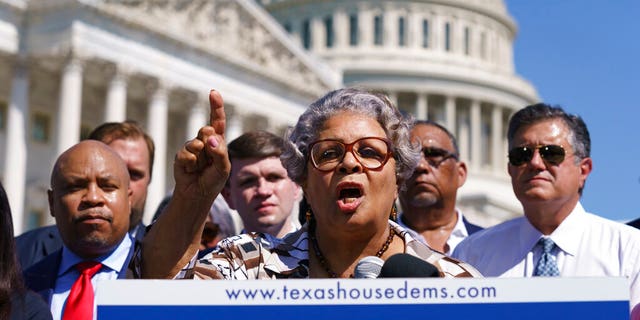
467	41
402	33
353	29
447	36
425	33
378	29
328	27
483	45
306	34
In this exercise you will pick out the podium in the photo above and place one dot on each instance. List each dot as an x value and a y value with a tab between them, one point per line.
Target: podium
434	298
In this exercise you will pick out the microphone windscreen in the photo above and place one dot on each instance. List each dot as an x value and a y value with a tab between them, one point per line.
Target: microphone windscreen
404	265
368	268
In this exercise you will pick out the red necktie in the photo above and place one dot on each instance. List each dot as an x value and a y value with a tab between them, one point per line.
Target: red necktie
79	304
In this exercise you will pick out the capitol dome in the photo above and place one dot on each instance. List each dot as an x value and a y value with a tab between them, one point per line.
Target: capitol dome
446	60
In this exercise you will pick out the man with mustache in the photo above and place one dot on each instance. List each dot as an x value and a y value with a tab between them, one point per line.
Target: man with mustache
90	200
137	150
428	202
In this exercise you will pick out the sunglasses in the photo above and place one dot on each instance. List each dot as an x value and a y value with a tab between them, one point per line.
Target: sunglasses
436	156
551	153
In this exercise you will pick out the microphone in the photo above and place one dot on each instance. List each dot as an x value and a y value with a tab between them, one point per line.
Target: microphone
404	265
368	268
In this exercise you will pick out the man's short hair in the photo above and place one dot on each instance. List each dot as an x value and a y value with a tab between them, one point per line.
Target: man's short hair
255	144
579	134
110	131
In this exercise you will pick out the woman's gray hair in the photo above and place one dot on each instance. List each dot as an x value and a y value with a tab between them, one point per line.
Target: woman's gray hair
375	105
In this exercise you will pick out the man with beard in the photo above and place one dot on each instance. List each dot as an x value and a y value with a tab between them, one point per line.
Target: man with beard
428	202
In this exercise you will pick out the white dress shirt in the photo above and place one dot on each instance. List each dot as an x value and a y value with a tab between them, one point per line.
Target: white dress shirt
458	233
587	245
67	273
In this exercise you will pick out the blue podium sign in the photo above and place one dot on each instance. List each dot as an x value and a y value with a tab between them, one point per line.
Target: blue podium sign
485	298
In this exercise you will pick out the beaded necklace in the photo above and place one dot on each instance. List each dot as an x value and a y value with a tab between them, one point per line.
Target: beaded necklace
323	260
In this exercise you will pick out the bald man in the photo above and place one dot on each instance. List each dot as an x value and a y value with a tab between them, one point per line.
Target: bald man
90	201
137	150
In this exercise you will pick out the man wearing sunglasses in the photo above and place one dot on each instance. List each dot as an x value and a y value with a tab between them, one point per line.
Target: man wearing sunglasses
549	162
428	202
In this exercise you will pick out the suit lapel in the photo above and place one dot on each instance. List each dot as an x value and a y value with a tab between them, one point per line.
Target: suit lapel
41	277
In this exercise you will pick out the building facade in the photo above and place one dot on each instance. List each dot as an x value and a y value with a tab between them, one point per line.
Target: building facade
69	65
446	60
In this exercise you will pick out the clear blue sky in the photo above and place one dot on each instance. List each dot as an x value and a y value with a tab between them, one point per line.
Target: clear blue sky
585	56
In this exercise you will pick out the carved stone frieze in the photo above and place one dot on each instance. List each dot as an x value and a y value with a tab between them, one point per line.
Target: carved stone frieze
226	29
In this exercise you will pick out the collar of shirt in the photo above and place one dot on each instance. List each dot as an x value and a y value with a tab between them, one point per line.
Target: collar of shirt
112	260
134	232
458	233
564	236
459	229
295	226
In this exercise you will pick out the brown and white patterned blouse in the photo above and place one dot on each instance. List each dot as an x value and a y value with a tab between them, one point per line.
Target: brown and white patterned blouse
257	256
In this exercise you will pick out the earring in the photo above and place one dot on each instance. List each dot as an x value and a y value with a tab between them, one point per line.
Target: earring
309	215
394	213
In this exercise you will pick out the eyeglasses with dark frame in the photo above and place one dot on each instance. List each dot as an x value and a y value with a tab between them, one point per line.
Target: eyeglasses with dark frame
436	156
550	153
371	152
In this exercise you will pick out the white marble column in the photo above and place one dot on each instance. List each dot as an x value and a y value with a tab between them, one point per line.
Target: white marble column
493	47
365	22
464	145
414	30
509	63
116	105
450	113
475	41
318	35
422	107
476	135
498	155
158	114
15	166
437	32
69	105
393	97
390	29
341	29
456	36
198	117
235	126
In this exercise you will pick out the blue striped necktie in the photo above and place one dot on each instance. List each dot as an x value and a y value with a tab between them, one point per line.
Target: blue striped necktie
547	266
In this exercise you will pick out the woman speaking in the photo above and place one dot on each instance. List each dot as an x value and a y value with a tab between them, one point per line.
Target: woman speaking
350	151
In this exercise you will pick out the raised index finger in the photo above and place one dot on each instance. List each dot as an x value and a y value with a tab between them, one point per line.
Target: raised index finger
217	118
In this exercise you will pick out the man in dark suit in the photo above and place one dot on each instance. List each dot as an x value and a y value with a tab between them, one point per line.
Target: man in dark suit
90	200
428	202
137	149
